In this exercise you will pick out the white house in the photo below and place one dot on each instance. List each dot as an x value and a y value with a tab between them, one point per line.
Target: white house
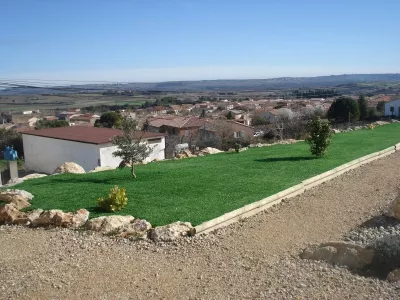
392	108
89	147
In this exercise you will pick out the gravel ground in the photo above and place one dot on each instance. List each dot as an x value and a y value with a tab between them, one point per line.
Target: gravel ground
256	258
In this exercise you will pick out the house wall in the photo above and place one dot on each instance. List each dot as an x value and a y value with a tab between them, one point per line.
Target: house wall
46	154
247	131
108	160
396	106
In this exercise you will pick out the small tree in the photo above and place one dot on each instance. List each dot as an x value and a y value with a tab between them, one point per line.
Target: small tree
130	146
344	109
319	136
229	116
363	107
380	106
109	119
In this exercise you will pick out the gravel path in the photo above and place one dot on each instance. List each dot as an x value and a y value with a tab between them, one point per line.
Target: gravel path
253	259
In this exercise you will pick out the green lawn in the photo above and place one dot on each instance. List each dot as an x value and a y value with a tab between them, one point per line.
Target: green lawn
199	189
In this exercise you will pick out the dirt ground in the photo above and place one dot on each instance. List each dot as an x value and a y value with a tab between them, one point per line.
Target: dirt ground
253	259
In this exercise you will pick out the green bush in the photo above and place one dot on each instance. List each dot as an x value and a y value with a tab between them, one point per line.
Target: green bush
319	136
115	201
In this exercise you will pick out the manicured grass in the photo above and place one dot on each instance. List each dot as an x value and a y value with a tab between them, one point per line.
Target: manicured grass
200	189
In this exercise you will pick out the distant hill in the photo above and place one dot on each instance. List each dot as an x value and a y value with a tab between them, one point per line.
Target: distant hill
217	85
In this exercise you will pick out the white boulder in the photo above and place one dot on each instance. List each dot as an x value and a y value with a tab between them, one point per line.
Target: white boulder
172	232
69	167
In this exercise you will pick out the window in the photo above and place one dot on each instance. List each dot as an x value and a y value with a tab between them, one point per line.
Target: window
154	141
392	109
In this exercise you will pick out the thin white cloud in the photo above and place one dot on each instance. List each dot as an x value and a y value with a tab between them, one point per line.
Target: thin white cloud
196	73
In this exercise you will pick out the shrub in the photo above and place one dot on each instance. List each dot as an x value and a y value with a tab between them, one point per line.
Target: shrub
237	147
319	136
115	201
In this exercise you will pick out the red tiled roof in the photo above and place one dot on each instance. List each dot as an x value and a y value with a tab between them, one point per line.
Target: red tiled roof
177	122
89	135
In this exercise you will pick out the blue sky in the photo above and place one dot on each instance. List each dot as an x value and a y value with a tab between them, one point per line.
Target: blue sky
157	40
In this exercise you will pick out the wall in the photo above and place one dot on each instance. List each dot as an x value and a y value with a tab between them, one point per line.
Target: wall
396	105
46	154
108	160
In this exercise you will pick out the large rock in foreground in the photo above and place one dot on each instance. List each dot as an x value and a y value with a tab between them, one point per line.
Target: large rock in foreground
394	209
136	230
10	214
59	218
171	232
8	195
341	253
70	167
109	224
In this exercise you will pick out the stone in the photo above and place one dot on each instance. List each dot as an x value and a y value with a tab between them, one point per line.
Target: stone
33	176
341	253
336	131
10	214
33	215
20	202
210	150
394	208
8	195
70	167
394	276
136	230
101	169
14	181
108	224
172	232
71	219
47	218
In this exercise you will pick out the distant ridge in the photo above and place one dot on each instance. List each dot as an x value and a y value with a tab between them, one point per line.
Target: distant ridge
214	85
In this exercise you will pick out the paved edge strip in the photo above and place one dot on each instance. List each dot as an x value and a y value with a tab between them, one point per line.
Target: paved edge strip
258	206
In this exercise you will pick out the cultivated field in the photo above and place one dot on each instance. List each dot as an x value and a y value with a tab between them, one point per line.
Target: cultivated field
200	189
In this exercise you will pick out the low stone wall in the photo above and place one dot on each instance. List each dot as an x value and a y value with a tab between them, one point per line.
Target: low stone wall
256	207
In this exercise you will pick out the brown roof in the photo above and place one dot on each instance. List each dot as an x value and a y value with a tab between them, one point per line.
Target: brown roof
177	122
89	135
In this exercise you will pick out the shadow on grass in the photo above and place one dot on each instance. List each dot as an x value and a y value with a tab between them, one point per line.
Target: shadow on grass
289	158
55	181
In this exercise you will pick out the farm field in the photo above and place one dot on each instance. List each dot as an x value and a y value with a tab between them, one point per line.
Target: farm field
200	189
53	102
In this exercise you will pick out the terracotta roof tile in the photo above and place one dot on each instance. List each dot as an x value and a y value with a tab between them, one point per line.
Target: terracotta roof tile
89	135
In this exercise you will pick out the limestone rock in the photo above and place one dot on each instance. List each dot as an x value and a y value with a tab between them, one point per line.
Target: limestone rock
9	214
172	232
394	209
20	202
14	181
210	150
33	176
8	195
33	215
46	218
136	230
71	219
394	276
108	224
70	167
101	169
341	253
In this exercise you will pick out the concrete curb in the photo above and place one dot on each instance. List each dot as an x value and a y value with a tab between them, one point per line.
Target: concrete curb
258	206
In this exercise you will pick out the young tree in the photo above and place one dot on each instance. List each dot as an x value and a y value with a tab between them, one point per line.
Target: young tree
229	116
362	106
203	114
319	136
131	148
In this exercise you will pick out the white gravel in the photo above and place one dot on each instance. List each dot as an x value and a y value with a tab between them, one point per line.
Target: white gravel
253	259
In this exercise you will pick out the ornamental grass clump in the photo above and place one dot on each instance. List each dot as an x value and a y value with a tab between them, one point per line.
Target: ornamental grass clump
319	136
115	201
